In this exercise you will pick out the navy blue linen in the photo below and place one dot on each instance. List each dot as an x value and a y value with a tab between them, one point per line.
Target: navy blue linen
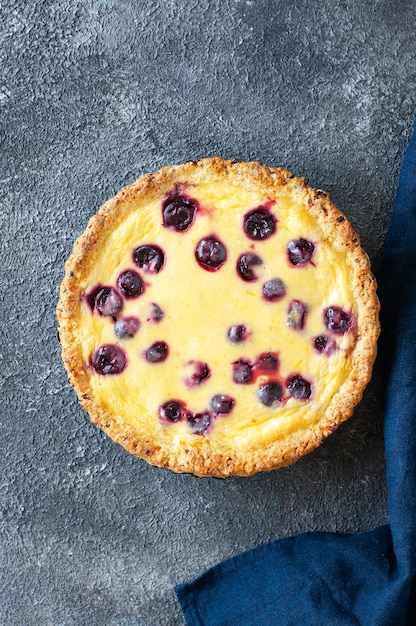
319	579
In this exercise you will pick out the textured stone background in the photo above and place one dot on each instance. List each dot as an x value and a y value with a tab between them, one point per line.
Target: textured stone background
94	93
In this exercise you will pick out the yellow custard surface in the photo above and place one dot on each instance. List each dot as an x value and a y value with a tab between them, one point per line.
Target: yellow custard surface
200	306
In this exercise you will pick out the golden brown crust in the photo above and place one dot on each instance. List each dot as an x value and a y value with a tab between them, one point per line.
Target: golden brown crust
202	459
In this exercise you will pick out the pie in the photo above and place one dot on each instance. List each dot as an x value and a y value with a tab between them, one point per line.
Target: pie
219	318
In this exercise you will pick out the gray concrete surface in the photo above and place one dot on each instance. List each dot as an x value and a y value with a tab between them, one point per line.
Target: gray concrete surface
94	93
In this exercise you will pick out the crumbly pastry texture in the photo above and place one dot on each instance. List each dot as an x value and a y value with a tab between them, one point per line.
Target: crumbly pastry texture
218	318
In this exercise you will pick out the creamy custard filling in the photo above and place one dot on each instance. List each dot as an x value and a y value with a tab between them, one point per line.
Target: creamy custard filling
306	321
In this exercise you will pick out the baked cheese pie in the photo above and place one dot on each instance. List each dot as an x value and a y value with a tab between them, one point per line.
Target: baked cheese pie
219	318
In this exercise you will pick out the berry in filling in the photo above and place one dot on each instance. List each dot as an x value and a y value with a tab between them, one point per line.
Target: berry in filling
222	404
237	333
242	372
172	410
156	313
296	315
259	224
199	422
105	300
270	393
126	327
323	344
245	263
91	297
157	352
210	253
150	258
299	388
245	372
179	212
109	359
274	290
300	251
337	320
199	372
267	362
130	284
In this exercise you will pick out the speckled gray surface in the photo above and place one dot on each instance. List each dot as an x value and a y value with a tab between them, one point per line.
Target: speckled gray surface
94	93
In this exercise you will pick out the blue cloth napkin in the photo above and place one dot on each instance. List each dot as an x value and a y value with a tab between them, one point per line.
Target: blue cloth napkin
320	579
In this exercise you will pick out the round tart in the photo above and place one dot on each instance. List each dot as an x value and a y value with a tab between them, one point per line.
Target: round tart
218	318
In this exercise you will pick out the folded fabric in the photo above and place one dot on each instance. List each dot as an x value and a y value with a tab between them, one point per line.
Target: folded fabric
319	579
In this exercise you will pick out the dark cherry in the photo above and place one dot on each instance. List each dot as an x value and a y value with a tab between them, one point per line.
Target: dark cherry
222	404
130	284
126	327
199	422
274	290
323	344
150	258
107	302
237	333
299	388
199	374
242	372
91	296
270	393
337	320
296	315
267	362
210	253
157	352
259	224
109	359
156	313
179	212
300	251
245	264
172	410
